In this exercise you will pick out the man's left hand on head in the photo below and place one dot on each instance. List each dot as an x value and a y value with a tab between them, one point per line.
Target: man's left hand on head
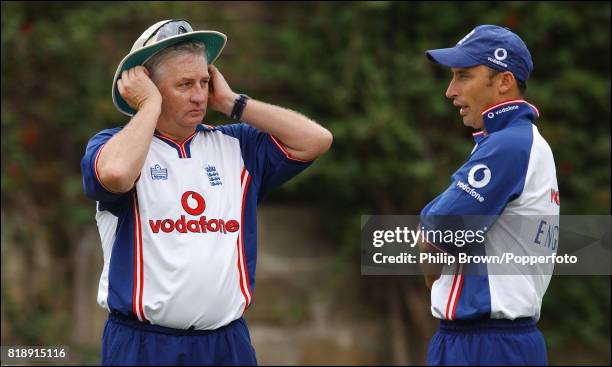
221	97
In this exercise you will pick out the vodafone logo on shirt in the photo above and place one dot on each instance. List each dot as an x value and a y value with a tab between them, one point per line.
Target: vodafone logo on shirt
194	205
200	203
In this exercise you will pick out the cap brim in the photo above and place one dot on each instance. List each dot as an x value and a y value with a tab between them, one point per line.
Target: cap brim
452	57
213	42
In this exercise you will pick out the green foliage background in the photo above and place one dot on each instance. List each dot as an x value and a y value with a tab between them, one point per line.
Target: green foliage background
356	67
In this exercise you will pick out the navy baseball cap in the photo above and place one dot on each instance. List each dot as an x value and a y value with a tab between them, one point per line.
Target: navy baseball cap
494	46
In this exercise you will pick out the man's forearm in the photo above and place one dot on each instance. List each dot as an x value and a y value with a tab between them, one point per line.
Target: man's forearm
303	138
121	159
430	271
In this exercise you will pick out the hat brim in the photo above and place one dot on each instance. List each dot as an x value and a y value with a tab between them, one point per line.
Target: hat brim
213	41
452	57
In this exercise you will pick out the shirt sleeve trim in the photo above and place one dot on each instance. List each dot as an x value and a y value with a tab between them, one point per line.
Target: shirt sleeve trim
282	149
98	176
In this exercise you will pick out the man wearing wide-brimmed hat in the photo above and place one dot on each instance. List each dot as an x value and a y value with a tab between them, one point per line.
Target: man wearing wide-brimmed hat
177	200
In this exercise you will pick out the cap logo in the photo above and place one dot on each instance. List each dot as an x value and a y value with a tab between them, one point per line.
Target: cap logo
500	54
182	29
466	37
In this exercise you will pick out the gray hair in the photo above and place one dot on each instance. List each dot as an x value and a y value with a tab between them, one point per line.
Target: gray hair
155	63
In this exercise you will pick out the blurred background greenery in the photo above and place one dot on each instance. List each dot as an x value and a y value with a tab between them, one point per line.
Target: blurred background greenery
359	69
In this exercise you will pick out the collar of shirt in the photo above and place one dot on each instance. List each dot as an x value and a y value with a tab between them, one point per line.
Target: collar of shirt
503	114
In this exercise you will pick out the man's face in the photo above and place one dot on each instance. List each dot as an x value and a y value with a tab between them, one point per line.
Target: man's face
472	90
183	84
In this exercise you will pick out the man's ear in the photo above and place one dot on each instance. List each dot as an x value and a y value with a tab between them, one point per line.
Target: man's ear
506	82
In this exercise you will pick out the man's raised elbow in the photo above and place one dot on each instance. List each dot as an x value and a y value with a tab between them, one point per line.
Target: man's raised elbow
324	141
116	180
315	144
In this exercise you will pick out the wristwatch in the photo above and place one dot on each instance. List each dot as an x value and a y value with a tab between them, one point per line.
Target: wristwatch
239	105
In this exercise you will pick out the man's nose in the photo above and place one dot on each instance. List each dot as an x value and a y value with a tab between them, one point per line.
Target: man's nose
199	95
451	91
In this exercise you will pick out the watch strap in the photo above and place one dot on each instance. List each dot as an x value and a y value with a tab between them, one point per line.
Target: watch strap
239	105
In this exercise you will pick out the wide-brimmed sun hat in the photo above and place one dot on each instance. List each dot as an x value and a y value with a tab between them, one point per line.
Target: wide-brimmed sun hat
157	37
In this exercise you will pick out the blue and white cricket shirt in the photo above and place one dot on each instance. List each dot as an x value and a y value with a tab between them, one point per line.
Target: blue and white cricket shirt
509	174
180	248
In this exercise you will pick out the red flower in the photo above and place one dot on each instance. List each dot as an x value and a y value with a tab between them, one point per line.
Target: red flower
26	28
29	136
566	168
511	21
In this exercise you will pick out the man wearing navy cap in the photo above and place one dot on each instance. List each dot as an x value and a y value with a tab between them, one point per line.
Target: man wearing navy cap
488	315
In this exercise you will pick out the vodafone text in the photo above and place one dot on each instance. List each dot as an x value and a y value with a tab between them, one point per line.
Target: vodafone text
194	204
202	225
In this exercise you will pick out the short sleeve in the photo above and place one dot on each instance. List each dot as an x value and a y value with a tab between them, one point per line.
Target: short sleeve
93	187
269	164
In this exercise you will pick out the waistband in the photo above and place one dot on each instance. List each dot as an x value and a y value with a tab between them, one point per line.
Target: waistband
518	325
133	323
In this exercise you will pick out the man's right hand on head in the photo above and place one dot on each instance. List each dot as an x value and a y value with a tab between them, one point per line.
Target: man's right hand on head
137	88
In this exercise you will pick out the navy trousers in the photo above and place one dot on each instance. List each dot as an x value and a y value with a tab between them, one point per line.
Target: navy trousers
487	342
130	342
